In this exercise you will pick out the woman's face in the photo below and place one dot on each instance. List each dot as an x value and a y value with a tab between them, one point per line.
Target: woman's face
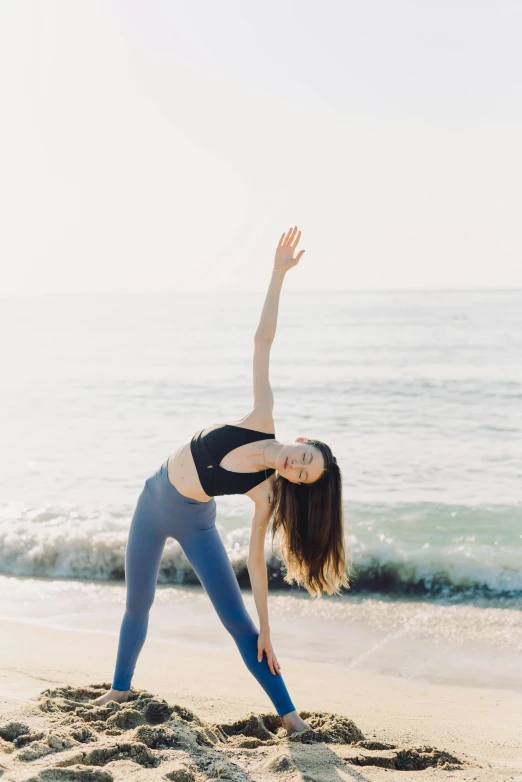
300	462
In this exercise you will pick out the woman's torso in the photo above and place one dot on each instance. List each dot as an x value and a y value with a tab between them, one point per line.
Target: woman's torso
182	470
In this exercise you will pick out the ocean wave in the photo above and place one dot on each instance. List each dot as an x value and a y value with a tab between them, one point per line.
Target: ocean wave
53	543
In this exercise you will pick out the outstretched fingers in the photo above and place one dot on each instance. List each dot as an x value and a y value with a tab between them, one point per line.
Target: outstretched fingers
288	238
290	235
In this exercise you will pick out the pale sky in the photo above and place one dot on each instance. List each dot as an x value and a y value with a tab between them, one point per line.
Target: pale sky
165	145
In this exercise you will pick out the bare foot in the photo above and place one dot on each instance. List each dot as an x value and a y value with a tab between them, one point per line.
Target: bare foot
120	696
293	723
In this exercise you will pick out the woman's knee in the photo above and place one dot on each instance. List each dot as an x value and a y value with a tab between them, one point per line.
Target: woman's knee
240	626
139	605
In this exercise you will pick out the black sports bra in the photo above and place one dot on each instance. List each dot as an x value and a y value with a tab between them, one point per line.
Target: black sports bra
209	450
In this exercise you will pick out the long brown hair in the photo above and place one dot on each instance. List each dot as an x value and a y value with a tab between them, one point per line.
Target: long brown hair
309	517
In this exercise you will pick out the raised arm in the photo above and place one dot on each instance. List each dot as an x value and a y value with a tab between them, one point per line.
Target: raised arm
264	336
283	261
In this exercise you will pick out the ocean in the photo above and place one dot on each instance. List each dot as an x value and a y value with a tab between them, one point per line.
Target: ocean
419	396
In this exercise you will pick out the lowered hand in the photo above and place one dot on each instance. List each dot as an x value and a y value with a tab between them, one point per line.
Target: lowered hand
264	644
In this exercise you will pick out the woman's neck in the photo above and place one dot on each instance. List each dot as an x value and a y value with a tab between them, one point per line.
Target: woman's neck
269	449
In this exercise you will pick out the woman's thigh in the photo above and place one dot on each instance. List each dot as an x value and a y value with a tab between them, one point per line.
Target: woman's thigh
143	554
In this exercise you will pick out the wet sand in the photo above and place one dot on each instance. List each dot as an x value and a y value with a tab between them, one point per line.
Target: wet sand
198	714
471	643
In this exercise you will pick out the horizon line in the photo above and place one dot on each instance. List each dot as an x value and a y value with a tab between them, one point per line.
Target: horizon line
221	291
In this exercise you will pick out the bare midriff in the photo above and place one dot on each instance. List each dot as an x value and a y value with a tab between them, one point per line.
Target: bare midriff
183	474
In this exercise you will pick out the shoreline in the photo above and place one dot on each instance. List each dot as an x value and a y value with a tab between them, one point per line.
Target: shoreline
472	645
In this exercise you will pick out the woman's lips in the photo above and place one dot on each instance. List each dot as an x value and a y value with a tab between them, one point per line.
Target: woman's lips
286	461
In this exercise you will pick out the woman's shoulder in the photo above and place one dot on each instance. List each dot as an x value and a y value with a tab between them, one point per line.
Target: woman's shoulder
259	420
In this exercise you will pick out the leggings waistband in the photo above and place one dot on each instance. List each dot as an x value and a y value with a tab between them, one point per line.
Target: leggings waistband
171	500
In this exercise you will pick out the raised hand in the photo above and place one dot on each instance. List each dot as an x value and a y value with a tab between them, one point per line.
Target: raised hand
284	256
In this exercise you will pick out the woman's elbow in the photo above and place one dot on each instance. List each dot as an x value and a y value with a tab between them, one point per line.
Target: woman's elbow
255	561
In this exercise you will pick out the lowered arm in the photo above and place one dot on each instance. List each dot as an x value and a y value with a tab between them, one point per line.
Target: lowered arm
256	563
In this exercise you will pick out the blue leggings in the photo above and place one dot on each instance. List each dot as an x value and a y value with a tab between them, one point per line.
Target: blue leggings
163	512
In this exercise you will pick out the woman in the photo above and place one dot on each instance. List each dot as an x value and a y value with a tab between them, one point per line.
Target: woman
304	502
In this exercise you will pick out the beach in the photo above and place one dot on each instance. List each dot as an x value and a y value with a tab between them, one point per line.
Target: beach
365	725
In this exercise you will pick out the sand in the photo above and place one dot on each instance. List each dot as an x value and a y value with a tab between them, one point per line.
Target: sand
198	714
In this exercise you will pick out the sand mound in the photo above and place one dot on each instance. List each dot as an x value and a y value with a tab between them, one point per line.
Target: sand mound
406	759
148	738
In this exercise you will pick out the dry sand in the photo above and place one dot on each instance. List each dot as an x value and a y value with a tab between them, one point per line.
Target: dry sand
198	714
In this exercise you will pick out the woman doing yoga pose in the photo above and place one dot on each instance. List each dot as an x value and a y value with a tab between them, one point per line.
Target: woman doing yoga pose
303	500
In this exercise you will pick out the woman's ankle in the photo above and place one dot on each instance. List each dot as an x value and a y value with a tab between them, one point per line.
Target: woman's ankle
119	694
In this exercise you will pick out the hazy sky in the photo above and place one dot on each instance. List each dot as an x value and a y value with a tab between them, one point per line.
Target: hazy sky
165	145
